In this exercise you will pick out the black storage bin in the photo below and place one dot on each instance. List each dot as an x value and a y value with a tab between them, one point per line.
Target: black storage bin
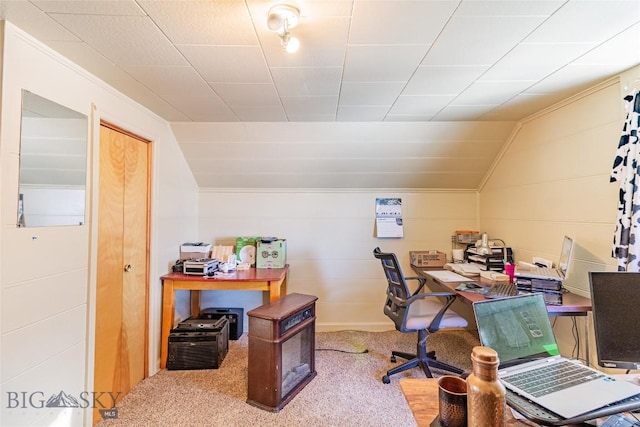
198	344
234	315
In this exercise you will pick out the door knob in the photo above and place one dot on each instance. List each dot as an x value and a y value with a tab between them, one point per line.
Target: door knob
127	267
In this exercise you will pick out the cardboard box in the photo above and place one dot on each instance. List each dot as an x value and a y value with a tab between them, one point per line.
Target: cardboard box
271	254
195	250
428	258
246	249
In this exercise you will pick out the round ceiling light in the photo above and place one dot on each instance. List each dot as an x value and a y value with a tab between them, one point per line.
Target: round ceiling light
283	17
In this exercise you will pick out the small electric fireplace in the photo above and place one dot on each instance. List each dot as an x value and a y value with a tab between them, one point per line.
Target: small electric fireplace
281	350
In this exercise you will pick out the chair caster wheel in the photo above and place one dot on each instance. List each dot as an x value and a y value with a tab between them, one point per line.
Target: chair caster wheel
393	359
386	380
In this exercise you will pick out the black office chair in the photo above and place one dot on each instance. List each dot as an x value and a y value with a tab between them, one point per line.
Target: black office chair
421	312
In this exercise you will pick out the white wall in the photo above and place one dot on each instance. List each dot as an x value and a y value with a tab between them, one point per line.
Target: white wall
553	179
330	242
47	274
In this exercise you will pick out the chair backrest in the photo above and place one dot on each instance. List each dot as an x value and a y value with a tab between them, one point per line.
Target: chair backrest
397	290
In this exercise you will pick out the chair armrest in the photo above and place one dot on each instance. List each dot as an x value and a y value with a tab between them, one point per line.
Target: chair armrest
450	298
422	281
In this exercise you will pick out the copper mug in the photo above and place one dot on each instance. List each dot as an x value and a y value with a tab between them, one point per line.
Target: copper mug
452	401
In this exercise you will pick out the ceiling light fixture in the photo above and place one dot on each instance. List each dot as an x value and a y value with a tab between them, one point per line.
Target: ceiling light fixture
281	19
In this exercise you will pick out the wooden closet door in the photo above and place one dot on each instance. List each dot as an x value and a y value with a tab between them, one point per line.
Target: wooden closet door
122	278
135	256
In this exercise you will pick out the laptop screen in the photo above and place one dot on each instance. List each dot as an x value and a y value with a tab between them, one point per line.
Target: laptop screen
565	256
517	328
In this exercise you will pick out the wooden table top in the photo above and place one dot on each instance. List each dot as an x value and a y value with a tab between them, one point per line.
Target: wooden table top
422	397
249	275
572	304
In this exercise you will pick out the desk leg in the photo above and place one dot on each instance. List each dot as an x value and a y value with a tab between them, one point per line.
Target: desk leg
586	340
195	303
283	286
168	310
277	289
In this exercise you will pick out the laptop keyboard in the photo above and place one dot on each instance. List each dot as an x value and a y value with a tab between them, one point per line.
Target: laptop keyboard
501	290
542	272
543	416
552	378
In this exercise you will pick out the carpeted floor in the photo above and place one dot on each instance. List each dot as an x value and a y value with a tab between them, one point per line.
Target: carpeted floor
347	391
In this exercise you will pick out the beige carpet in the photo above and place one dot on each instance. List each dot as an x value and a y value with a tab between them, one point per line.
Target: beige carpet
347	391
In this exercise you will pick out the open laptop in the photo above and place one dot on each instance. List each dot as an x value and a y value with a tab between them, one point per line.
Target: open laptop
518	328
561	272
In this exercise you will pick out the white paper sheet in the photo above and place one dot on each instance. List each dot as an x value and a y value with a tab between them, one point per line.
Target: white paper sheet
446	276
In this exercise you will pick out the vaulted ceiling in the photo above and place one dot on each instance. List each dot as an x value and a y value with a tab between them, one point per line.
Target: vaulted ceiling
434	62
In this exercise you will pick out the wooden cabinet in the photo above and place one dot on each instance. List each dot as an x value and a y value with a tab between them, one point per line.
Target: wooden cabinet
122	263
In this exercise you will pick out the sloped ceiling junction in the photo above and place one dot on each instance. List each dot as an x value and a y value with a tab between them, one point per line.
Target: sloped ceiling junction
381	94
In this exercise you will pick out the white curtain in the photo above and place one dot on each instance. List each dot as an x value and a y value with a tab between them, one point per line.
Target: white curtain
626	168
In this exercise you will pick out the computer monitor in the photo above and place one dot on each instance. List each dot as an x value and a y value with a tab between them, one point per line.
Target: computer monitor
615	298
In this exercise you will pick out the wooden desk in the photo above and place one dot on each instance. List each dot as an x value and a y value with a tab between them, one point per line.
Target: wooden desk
272	280
572	304
422	397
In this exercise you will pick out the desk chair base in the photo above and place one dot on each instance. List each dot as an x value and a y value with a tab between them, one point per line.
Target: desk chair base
424	359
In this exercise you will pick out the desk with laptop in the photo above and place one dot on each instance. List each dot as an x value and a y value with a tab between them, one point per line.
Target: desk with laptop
541	384
544	386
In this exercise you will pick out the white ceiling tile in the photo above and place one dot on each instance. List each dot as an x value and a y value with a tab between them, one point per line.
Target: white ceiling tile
260	114
534	61
587	21
223	64
81	53
407	118
322	43
479	41
203	22
442	80
319	9
609	53
137	40
325	105
382	63
253	94
491	93
374	93
398	22
300	116
307	81
28	17
462	112
368	113
205	109
508	8
439	81
424	105
117	77
160	79
90	7
575	77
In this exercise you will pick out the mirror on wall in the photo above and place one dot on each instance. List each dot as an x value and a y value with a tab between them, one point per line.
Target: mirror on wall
53	164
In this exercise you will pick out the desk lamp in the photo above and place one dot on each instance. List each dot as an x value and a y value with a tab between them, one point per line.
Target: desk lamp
484	248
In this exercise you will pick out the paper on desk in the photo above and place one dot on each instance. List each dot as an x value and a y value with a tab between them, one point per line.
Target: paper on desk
464	268
446	276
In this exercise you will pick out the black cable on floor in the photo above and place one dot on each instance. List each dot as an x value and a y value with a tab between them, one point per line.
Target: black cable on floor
343	351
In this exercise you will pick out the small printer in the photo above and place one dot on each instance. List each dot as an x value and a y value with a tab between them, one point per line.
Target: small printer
200	267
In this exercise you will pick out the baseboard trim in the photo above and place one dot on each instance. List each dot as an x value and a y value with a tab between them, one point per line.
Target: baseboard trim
368	327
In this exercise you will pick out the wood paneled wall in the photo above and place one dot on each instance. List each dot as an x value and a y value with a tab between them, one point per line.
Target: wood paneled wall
330	240
552	179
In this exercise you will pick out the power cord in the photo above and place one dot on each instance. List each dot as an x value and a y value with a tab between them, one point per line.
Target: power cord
343	351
